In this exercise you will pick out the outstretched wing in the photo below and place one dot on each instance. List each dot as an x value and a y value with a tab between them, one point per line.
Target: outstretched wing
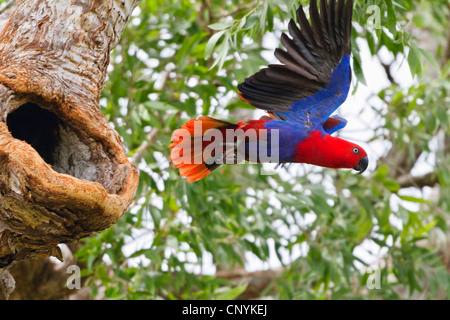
315	76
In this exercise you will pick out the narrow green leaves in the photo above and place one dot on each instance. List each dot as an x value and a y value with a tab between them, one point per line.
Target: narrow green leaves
212	43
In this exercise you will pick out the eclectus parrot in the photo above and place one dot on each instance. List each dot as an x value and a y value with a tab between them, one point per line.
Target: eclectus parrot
299	95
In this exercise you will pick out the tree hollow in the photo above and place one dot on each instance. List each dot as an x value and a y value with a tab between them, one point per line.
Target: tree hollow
62	146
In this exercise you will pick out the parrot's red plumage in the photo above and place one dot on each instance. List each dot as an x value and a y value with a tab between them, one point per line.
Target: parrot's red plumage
299	95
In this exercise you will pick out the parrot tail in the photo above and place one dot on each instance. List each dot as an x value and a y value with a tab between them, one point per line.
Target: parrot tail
188	146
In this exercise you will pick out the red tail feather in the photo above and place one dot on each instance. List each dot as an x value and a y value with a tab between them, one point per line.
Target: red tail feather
193	167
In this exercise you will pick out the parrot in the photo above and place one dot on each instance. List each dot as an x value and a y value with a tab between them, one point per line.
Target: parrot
299	95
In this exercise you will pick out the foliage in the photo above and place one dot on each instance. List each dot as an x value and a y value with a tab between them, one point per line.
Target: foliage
179	59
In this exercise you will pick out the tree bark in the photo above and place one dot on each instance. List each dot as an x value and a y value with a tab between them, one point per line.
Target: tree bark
64	173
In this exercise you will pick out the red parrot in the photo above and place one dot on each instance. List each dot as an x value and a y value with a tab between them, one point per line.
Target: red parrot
299	95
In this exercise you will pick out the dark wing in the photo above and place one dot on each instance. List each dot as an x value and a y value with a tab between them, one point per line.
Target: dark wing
315	76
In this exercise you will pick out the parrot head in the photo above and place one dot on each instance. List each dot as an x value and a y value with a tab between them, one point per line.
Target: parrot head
360	159
331	152
349	155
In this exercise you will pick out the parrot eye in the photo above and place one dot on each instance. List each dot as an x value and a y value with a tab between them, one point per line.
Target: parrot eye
355	150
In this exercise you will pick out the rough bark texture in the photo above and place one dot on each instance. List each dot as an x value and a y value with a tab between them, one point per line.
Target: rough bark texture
63	171
45	279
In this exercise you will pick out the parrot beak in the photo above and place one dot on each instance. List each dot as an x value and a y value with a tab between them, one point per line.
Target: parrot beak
362	165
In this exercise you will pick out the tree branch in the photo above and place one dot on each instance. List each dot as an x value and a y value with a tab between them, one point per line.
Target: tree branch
387	70
140	152
427	180
64	173
247	6
151	136
257	280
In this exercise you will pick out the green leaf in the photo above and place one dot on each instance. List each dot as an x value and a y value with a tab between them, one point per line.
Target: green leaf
413	199
231	294
357	69
212	43
269	19
159	105
430	59
382	172
391	184
442	114
414	60
392	17
221	25
250	22
222	51
430	122
263	15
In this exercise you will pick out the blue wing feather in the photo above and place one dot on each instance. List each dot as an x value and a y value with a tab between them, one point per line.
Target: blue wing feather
314	110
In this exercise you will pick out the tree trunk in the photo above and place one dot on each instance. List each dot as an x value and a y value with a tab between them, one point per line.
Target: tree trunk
64	173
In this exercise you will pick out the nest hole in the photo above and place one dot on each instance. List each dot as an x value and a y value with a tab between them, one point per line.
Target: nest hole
66	149
38	127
